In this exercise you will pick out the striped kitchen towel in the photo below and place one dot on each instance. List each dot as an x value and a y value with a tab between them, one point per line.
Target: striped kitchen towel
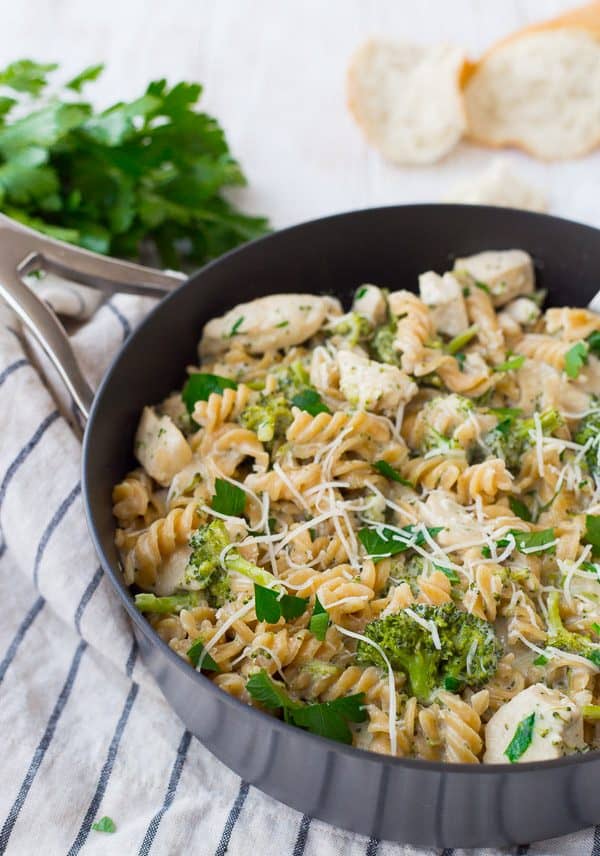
84	733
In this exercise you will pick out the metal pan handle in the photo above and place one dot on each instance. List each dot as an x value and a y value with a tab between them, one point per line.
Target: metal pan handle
22	251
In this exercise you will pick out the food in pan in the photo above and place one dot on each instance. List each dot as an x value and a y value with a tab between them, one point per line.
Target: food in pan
383	525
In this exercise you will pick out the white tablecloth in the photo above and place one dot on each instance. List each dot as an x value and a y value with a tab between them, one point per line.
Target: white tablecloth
83	731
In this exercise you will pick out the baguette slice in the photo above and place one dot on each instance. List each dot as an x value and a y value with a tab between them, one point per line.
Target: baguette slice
539	89
407	99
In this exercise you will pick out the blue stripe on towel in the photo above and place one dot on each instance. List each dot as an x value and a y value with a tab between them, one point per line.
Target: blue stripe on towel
51	528
232	819
20	635
302	835
150	835
42	748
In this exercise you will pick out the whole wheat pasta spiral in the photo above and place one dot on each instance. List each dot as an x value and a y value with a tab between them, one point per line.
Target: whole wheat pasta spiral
383	533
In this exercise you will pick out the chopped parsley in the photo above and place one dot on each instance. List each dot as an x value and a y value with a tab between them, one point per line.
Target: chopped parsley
519	508
390	473
236	327
534	542
319	621
575	359
327	719
198	655
592	532
270	605
521	739
482	286
383	542
200	386
511	364
229	499
105	824
449	572
541	660
451	684
311	401
282	324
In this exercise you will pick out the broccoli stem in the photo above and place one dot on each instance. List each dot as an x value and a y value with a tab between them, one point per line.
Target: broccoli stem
458	343
146	602
591	711
234	562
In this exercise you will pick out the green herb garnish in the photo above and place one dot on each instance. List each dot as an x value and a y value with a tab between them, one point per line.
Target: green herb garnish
311	401
482	286
383	542
575	358
519	508
511	364
327	719
521	740
236	327
541	660
105	824
592	532
361	292
451	684
319	621
198	655
449	572
200	386
270	605
228	499
390	473
140	178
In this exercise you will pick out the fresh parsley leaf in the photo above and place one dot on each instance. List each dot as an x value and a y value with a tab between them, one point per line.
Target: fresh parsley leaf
361	292
282	324
236	327
311	401
575	358
390	473
292	606
592	532
105	824
228	499
270	605
521	739
541	660
200	386
594	657
482	286
511	364
383	542
198	655
529	540
451	684
449	572
519	508
596	627
140	178
266	604
328	719
593	341
460	359
319	621
92	72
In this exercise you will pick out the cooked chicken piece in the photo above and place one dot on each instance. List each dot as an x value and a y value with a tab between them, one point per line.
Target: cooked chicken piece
370	385
160	447
507	273
370	302
268	323
523	311
555	730
444	295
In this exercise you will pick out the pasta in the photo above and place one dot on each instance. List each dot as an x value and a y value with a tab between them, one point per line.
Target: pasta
383	523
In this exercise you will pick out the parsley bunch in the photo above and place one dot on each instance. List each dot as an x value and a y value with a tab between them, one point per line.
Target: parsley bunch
141	180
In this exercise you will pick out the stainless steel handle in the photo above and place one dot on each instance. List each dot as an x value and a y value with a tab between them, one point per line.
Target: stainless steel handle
22	251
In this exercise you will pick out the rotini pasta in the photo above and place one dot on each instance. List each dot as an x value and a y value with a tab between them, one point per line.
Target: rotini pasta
367	520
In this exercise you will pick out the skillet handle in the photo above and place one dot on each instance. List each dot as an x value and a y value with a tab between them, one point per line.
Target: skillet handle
23	251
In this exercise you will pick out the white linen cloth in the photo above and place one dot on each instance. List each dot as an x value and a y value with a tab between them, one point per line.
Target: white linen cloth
84	732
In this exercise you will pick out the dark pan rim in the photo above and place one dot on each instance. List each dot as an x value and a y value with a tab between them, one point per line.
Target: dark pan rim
178	662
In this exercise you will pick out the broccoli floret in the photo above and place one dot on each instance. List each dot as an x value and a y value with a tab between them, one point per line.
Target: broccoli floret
292	379
174	603
206	570
512	436
565	640
320	669
269	417
352	326
381	344
589	429
468	653
433	439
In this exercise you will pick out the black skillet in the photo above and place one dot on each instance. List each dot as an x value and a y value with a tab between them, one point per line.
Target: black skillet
440	805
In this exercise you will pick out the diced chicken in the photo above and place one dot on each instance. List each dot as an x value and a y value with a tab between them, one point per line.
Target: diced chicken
268	323
160	447
557	726
444	295
523	311
507	273
370	385
370	302
324	372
